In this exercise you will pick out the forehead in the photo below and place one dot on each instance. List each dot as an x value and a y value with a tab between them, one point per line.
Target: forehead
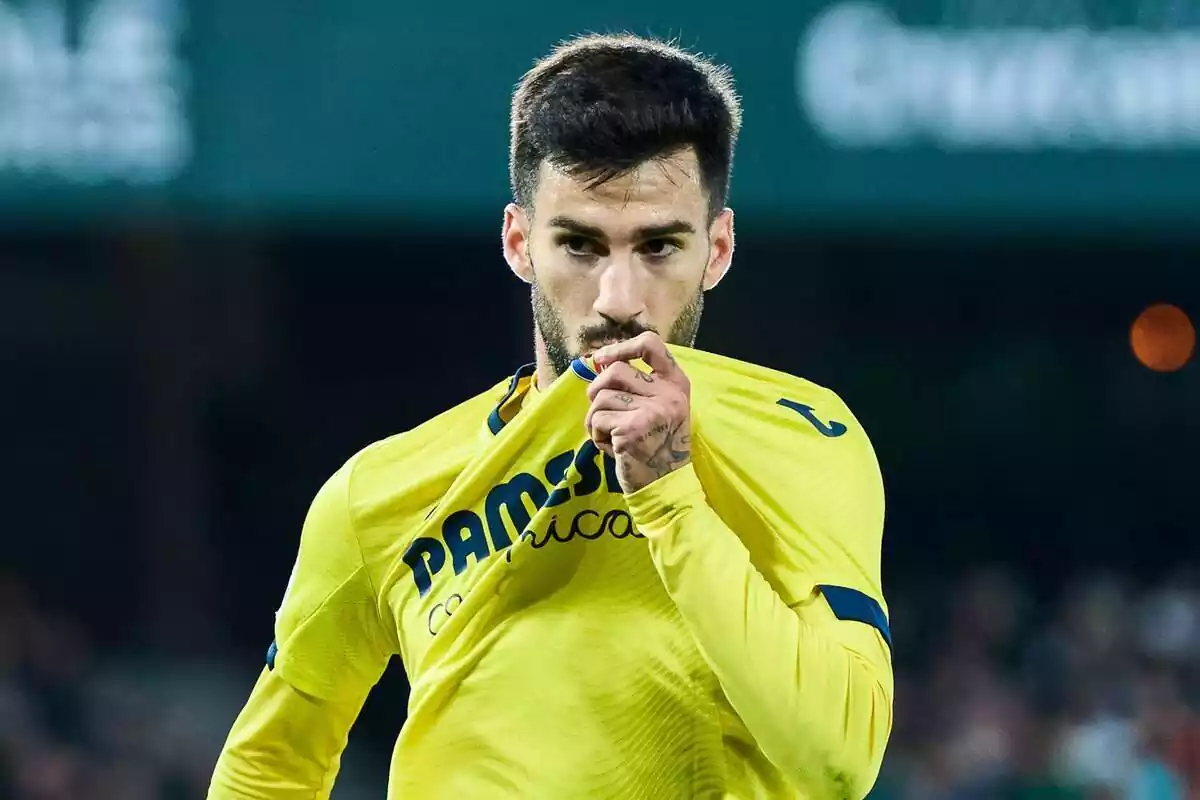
657	191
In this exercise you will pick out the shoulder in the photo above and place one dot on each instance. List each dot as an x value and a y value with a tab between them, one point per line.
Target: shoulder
742	394
797	436
795	448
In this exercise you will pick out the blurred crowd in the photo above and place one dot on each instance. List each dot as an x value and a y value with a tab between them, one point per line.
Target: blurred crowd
1000	694
74	726
1004	695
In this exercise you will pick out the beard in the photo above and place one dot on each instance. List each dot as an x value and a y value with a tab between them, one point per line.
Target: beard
561	349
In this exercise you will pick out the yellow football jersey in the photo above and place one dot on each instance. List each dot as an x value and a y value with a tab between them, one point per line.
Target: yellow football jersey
720	633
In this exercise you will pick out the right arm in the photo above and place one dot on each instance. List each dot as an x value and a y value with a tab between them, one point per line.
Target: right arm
285	744
330	649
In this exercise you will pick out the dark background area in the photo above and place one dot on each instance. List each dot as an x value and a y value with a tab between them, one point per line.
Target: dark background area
175	396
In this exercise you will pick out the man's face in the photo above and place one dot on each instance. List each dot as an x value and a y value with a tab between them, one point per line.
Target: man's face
609	262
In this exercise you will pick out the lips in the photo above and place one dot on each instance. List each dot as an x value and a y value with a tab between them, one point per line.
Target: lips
592	348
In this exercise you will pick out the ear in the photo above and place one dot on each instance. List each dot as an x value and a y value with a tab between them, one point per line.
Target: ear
515	239
720	249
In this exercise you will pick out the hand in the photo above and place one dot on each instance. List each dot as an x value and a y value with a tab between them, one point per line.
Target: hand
642	421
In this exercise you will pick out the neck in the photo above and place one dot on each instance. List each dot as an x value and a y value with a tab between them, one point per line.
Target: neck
545	376
545	372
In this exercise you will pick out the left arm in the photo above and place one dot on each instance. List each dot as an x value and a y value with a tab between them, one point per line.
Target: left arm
811	683
815	692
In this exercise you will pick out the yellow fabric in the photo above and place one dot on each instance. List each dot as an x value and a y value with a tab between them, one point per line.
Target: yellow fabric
285	745
564	642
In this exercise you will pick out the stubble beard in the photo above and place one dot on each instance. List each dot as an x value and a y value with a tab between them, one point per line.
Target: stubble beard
562	349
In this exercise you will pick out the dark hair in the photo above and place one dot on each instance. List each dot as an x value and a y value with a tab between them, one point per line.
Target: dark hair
600	105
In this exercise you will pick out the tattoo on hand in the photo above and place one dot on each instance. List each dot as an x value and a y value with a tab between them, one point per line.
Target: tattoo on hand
625	398
674	451
643	377
653	432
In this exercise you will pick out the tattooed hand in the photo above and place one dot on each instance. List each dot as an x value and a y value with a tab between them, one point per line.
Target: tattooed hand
642	421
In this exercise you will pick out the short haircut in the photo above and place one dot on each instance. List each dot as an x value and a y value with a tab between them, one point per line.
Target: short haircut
600	105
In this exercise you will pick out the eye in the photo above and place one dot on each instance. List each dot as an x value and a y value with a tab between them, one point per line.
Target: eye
659	249
578	246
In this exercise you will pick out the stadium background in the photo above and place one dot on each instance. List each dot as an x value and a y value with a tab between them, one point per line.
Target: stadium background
241	240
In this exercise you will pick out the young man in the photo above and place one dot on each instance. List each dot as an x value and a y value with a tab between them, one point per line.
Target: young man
637	570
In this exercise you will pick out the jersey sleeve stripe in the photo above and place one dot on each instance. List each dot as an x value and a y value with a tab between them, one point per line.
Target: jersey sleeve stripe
851	605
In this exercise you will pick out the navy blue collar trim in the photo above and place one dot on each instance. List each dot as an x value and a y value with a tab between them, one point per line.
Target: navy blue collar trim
583	370
496	422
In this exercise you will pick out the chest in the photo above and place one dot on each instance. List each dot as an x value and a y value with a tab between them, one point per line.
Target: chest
558	541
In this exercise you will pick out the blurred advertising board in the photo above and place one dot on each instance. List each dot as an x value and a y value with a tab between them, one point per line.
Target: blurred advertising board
1012	112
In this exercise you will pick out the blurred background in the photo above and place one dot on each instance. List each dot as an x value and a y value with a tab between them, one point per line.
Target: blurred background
241	240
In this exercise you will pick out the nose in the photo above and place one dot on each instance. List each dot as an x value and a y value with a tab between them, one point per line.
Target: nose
620	296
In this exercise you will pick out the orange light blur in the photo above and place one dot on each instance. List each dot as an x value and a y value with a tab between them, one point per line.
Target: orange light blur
1163	338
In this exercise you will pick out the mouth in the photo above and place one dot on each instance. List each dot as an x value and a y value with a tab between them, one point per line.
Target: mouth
590	349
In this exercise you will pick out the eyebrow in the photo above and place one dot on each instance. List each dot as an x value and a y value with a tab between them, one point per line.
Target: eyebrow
648	232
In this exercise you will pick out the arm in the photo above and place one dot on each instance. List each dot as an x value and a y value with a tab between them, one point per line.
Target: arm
330	649
285	744
812	684
813	690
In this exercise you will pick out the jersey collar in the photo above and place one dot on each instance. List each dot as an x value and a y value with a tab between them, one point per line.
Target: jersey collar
581	368
521	384
510	403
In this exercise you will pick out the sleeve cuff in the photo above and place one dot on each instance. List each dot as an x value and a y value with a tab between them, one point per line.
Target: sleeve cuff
655	505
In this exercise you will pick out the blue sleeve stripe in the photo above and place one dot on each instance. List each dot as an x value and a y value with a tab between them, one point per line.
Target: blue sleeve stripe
851	605
272	651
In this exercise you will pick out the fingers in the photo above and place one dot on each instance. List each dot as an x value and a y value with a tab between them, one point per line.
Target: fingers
600	427
622	377
648	346
610	404
614	400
